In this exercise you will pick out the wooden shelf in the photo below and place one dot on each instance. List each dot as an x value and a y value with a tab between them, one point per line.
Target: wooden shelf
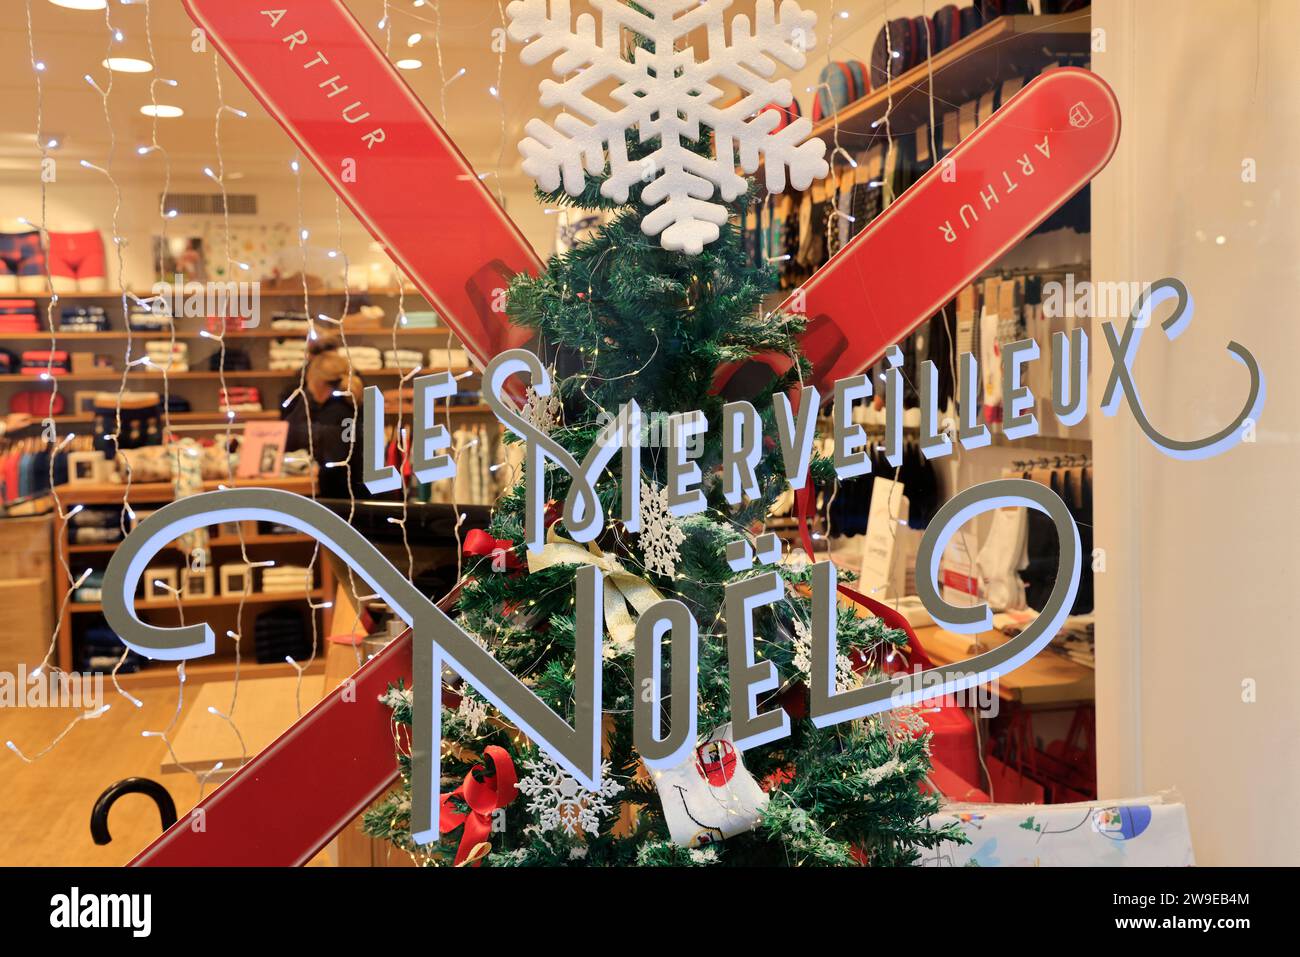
1037	444
157	674
136	374
218	420
219	606
217	601
116	296
214	418
442	332
1008	47
110	493
214	541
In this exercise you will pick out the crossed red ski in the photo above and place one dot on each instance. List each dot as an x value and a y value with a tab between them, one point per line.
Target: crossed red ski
418	195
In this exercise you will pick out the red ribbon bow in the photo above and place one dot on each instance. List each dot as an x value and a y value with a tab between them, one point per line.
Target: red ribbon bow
479	542
484	797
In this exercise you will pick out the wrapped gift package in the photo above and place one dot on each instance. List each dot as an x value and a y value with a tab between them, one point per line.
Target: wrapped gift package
1138	832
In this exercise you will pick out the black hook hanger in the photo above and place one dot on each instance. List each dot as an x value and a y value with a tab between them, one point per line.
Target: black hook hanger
99	814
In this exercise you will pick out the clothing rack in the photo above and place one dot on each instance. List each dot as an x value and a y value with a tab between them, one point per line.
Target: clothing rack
1080	269
1069	460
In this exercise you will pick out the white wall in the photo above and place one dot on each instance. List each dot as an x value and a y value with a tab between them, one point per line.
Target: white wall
1200	592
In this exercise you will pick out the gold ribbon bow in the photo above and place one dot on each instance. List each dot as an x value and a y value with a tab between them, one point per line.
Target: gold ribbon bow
622	588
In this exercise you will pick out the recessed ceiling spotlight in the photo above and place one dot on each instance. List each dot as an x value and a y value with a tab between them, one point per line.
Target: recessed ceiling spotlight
413	39
409	64
162	111
128	64
81	4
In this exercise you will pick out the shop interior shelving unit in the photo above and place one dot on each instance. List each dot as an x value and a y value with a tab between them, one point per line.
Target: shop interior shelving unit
199	384
200	387
220	611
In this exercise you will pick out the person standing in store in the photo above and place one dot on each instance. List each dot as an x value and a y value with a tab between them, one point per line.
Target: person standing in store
328	405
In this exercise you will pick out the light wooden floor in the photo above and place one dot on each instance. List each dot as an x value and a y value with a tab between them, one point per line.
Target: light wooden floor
45	806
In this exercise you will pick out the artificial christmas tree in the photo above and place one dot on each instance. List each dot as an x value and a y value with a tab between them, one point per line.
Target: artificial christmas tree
622	318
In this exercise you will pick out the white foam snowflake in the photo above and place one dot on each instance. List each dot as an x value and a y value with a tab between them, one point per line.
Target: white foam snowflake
665	92
660	536
545	412
903	724
560	802
473	712
845	677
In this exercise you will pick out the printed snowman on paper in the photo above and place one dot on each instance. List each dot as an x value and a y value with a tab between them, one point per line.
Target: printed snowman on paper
710	796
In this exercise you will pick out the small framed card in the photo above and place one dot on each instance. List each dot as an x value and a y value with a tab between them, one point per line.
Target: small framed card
236	579
197	583
153	590
261	454
87	468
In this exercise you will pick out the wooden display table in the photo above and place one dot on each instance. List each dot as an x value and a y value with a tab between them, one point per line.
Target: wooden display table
1048	678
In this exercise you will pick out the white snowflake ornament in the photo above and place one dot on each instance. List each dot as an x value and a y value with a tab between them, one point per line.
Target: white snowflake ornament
543	412
660	535
473	712
846	678
666	93
561	803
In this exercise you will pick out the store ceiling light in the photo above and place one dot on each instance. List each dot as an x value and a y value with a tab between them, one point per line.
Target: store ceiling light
81	4
409	64
128	64
162	111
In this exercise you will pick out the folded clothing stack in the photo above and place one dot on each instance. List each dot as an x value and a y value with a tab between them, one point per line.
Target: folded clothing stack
287	578
420	320
94	526
41	361
403	359
365	358
288	354
141	420
101	650
83	319
365	316
25	473
279	634
142	319
1076	640
90	590
290	322
240	398
36	402
236	360
18	315
169	356
448	359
